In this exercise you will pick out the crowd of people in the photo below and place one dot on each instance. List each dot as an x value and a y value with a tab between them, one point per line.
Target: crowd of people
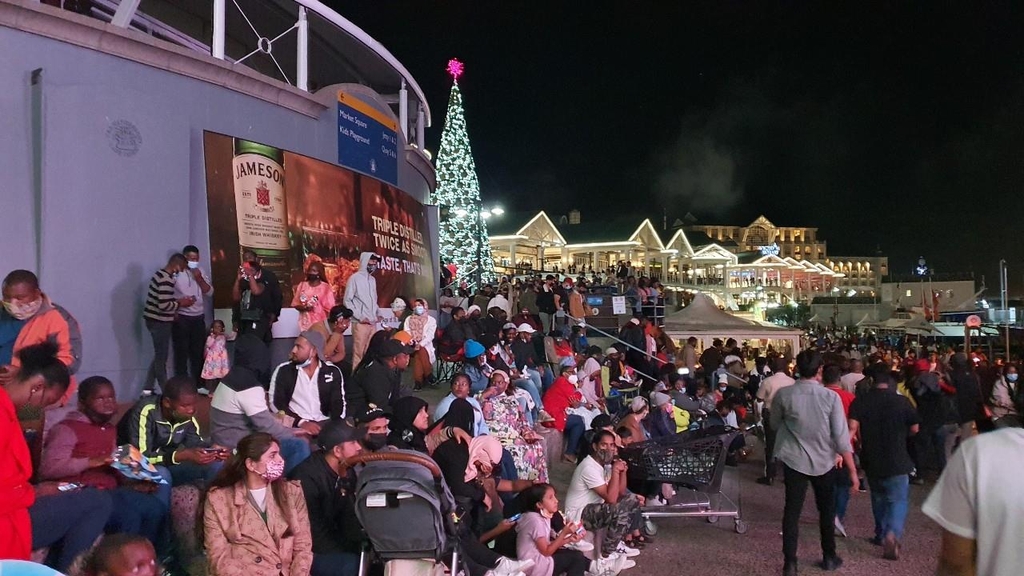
278	498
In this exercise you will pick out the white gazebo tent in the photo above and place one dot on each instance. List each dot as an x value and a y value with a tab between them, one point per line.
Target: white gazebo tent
703	320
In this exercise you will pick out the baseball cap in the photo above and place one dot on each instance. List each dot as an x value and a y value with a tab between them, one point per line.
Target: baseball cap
402	336
391	348
338	432
372	414
610	351
659	399
509	326
339	311
525	328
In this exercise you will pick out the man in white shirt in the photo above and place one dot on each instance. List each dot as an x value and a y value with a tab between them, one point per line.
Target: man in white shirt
306	388
856	374
770	386
597	496
978	508
188	332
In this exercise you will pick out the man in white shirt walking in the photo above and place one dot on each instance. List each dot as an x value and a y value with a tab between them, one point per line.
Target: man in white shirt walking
765	393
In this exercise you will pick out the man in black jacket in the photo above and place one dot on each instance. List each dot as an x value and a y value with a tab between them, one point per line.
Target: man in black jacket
308	388
379	383
330	499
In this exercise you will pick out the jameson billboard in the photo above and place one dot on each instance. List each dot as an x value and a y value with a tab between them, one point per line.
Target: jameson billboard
293	210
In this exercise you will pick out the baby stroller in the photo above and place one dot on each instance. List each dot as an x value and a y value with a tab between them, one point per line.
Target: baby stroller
405	508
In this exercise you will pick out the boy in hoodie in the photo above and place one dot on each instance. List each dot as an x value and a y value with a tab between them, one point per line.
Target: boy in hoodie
239	404
361	298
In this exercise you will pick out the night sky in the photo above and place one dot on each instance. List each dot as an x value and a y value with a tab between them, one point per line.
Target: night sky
896	126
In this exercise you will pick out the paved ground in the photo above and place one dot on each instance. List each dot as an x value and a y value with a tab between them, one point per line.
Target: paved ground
691	545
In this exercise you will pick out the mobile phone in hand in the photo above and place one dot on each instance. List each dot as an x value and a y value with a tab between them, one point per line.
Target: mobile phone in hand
515	517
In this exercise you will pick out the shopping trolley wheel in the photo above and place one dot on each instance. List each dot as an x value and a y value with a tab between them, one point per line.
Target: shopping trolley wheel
741	527
712	519
650	528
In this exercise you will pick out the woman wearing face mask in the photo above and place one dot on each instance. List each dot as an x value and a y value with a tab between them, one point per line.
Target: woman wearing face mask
254	522
423	328
1004	392
314	297
572	415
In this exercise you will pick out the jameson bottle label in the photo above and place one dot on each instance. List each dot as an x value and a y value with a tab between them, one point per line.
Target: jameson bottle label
258	173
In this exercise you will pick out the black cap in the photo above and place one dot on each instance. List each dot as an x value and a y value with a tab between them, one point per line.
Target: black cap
372	414
390	348
339	311
338	432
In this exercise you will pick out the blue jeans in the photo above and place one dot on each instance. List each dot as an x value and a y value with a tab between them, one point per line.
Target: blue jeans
182	474
69	523
533	391
294	451
534	377
335	564
136	513
843	486
574	429
889	502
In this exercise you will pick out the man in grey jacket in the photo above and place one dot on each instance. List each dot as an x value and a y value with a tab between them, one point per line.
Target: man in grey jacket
811	431
361	298
239	404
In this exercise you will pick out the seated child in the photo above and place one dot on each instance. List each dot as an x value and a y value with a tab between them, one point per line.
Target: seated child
122	555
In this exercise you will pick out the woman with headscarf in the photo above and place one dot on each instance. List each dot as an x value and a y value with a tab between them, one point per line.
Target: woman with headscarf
410	427
423	328
506	419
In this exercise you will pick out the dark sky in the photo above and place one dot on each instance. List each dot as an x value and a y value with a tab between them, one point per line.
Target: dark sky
896	125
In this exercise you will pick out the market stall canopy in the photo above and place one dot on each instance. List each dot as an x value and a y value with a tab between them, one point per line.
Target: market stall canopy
704	320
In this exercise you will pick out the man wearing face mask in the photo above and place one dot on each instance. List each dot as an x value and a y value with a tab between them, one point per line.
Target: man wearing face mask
188	333
361	298
329	490
307	388
374	425
258	299
161	308
28	318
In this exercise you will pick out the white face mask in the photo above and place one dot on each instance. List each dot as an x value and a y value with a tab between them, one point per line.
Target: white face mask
419	310
193	265
573	378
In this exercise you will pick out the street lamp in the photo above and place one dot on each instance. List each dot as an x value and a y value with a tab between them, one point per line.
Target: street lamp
481	215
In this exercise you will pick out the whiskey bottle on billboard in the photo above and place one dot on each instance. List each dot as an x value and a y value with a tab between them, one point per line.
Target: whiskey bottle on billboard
260	204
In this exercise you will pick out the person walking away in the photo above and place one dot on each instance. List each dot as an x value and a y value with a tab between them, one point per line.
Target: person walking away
361	298
812	430
258	299
766	393
883	421
423	328
831	378
968	394
215	363
188	333
29	317
160	311
314	297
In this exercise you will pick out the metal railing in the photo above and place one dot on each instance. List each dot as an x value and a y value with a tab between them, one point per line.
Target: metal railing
624	343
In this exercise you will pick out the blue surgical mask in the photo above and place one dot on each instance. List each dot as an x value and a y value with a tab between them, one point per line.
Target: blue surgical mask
307	362
1012	377
193	265
419	310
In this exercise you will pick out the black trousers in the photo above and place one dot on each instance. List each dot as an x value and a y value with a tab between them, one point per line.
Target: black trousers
769	445
569	562
824	487
188	336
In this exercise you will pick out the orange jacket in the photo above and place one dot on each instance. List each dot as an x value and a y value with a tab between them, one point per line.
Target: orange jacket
53	324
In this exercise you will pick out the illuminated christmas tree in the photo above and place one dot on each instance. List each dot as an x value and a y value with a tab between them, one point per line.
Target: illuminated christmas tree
463	233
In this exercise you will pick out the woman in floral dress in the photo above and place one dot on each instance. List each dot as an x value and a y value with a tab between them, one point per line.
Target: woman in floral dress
507	422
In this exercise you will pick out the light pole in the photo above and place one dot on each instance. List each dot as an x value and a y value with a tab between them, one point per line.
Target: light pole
1003	304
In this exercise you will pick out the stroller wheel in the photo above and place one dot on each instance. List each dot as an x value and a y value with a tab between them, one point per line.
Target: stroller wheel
712	519
650	528
741	527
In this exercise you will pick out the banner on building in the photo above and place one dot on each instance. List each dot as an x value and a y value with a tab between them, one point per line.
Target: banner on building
293	210
367	139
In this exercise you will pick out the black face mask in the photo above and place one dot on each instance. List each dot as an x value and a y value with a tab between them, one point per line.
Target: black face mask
375	442
312	277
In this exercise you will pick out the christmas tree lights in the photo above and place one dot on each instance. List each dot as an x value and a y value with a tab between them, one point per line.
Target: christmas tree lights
463	232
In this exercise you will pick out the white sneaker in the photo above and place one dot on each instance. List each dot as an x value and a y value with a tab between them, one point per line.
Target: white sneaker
509	567
655	502
840	529
581	546
622	563
609	566
626	550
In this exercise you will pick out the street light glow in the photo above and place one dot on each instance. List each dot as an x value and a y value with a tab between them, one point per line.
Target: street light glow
497	210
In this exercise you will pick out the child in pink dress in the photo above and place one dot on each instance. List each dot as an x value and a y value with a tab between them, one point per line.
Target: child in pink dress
216	364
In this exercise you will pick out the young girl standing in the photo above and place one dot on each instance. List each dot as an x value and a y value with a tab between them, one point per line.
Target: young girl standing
535	540
216	364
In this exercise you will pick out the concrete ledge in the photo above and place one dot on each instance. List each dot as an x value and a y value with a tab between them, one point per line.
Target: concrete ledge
42	20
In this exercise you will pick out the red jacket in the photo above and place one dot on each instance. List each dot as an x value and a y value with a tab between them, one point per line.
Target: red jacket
16	494
559	398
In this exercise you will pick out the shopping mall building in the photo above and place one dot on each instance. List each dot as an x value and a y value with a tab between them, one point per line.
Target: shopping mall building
105	119
760	261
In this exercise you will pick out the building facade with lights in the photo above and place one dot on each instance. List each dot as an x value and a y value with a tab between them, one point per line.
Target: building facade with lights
760	262
104	150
